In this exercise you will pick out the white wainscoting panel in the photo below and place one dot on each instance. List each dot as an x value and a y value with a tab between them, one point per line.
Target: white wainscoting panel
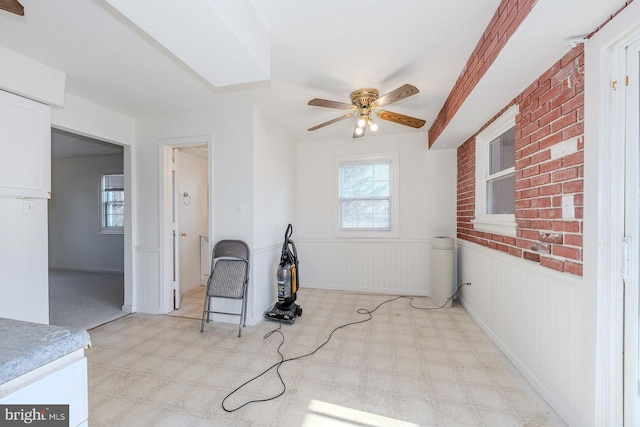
535	316
147	292
377	266
263	287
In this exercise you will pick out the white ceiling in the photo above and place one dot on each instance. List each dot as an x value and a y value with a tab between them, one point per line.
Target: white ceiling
322	49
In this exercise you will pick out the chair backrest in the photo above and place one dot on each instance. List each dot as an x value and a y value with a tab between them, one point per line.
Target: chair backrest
231	249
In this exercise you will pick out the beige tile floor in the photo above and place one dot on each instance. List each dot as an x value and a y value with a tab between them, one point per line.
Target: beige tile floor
403	368
191	303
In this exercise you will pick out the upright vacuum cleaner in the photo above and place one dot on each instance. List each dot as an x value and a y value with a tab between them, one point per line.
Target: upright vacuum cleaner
286	309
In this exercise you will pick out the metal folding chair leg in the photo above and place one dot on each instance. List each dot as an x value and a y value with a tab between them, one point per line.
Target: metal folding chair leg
205	312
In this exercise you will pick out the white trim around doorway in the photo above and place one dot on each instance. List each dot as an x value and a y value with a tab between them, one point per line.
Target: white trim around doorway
166	147
604	212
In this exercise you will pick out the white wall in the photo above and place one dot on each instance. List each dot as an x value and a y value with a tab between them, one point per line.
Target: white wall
231	183
275	170
427	209
86	118
28	78
75	241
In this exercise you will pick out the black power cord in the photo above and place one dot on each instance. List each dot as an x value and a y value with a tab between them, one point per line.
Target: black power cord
282	361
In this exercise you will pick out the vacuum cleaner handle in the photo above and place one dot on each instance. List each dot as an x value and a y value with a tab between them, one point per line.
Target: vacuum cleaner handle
286	256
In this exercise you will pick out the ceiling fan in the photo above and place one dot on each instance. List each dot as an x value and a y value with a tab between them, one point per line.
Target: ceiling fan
366	101
12	6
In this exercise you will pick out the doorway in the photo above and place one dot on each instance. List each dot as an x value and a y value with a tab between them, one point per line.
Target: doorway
86	255
186	220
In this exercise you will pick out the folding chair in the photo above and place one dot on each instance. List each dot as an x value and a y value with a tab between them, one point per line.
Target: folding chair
228	279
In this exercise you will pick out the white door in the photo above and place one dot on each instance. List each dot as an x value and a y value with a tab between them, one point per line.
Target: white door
631	263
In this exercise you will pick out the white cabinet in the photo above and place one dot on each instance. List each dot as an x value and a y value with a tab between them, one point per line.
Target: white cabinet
25	147
61	382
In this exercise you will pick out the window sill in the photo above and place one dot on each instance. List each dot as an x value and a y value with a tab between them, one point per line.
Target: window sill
118	230
497	224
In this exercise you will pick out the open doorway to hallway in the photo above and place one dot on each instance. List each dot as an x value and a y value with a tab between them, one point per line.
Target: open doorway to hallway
186	198
192	203
85	231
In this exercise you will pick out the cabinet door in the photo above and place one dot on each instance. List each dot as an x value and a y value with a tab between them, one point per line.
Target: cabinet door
25	147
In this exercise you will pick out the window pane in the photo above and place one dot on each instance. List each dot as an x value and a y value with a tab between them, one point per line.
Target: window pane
365	192
114	196
365	214
502	152
365	180
114	181
501	195
113	201
114	212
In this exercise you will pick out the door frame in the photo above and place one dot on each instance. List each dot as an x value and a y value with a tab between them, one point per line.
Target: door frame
129	304
632	234
166	147
604	210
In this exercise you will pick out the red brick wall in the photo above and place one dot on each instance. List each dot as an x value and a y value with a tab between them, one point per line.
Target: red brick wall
507	18
549	164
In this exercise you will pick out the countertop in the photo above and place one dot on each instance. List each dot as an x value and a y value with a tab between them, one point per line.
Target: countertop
25	346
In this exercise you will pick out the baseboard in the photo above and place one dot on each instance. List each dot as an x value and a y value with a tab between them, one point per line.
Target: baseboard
363	290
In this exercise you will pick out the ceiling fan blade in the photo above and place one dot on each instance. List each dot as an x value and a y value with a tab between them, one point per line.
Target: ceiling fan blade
401	119
331	104
337	119
12	6
395	95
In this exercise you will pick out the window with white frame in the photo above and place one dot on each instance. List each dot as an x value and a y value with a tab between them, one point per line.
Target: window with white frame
112	203
367	195
495	176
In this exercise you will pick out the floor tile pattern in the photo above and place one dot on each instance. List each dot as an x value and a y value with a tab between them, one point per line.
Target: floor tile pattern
191	303
405	367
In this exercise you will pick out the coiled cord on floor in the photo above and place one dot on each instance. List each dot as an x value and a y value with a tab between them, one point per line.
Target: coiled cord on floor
278	330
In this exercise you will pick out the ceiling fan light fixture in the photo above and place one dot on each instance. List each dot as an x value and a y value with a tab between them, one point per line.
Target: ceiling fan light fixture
366	101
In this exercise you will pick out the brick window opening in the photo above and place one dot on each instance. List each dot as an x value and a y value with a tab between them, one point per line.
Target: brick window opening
501	188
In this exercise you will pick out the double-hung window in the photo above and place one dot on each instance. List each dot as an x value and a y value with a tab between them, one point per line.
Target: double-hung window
495	176
367	196
112	203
